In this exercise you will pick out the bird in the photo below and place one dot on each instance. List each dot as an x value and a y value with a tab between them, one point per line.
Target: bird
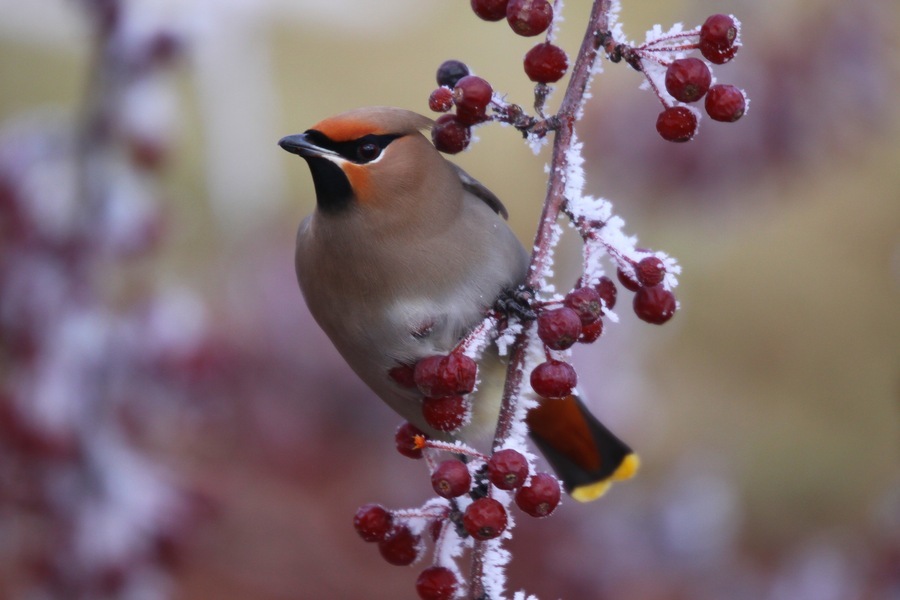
403	255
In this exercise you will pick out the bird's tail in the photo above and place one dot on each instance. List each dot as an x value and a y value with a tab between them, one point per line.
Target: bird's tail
586	456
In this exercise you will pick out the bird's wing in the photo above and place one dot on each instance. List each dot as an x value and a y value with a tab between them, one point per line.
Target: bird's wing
476	188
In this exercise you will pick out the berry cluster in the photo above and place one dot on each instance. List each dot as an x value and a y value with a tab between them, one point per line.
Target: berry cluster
470	94
688	79
469	511
443	381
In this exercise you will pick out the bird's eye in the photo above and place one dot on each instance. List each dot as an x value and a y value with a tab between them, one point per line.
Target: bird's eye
368	151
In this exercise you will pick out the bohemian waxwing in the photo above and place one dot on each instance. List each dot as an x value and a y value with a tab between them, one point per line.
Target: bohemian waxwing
404	254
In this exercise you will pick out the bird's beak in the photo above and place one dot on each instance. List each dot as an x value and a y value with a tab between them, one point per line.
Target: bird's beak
301	145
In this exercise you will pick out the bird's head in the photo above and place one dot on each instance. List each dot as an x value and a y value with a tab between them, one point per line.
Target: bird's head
369	157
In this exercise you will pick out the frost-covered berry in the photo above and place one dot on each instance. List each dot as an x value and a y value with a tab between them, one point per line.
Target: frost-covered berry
484	519
490	10
507	469
677	124
687	79
441	99
445	375
586	303
725	103
554	379
400	547
650	271
449	135
559	328
717	56
450	72
472	95
529	17
451	478
546	63
540	497
447	413
436	583
591	333
373	522
654	304
608	292
718	31
627	281
406	439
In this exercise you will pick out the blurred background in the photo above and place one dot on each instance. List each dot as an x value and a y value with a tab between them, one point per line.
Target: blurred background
174	425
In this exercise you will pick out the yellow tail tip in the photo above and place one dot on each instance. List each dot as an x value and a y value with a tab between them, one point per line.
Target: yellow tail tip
592	491
628	468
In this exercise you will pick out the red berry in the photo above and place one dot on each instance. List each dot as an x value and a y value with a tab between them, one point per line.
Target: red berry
407	440
485	519
677	124
627	281
447	375
608	292
403	375
507	469
554	379
490	10
449	135
717	56
451	478
450	72
650	271
586	303
529	17
441	99
559	328
372	522
546	63
400	547
725	103
436	583
654	304
445	414
591	333
472	92
540	497
718	31
687	79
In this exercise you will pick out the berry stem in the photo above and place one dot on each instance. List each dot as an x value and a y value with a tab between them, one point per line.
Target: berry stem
594	38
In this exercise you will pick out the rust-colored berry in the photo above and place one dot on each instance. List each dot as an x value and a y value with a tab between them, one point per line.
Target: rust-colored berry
451	478
586	303
559	328
546	63
373	522
650	271
445	375
718	31
449	135
436	583
441	99
677	124
507	469
407	440
725	103
591	333
400	547
529	17
554	379
654	304
540	497
490	10
447	413
717	56
485	519
608	292
688	79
